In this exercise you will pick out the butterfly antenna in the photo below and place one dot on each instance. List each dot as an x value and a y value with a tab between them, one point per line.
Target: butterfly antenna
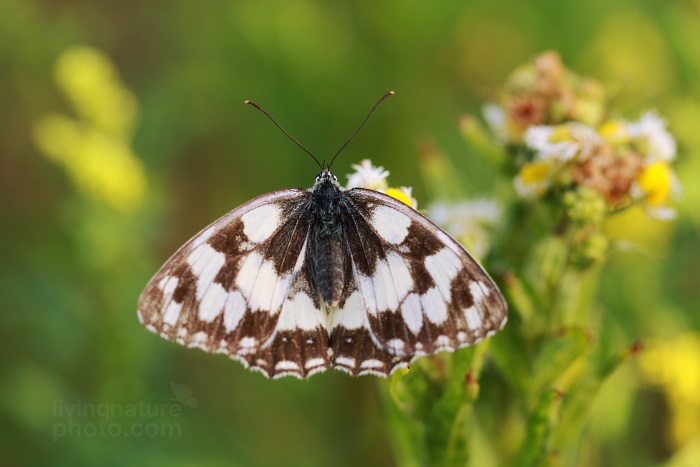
284	131
390	93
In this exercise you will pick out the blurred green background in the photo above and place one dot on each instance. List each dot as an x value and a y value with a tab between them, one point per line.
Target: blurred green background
75	256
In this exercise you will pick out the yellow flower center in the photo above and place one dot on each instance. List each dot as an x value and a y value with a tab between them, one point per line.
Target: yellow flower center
535	172
559	134
655	182
614	132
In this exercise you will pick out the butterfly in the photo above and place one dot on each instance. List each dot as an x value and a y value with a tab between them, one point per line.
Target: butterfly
296	281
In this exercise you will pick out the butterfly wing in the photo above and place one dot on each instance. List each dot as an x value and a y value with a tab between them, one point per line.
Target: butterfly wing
414	289
240	287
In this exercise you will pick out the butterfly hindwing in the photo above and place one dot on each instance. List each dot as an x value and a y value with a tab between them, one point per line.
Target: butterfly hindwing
239	288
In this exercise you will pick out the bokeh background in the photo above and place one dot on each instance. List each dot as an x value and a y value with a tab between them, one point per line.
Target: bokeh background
82	230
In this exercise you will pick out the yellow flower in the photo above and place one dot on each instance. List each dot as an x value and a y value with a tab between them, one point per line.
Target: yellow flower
403	194
94	149
560	133
90	81
100	166
614	132
534	179
656	181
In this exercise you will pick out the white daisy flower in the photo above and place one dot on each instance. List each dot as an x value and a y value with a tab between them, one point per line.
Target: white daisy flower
562	142
534	179
650	134
368	176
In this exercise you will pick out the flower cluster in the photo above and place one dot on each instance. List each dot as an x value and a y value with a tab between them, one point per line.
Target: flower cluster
558	125
374	178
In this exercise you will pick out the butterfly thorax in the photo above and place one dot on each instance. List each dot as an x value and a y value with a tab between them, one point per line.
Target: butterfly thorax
326	267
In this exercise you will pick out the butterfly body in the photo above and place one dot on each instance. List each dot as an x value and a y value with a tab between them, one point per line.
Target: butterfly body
327	251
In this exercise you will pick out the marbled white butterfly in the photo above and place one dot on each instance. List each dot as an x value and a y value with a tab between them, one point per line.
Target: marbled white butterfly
296	281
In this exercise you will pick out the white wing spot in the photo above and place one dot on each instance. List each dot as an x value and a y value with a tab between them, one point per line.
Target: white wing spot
403	280
172	313
234	308
366	287
479	291
385	287
260	223
443	342
345	361
260	284
299	313
205	262
396	345
434	306
203	236
198	340
286	365
168	284
248	342
352	315
443	266
212	303
412	313
372	363
264	291
314	362
473	318
390	224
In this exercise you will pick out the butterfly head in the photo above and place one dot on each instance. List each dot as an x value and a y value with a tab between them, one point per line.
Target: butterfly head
326	177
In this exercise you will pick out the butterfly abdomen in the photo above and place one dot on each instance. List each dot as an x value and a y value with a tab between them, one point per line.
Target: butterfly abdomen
328	270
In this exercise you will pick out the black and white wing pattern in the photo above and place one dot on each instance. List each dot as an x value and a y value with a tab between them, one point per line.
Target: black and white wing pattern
239	287
414	289
297	281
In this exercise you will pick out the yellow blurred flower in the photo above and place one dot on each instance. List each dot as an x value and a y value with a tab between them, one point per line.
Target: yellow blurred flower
675	366
403	194
95	149
100	166
89	80
655	181
534	179
614	132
